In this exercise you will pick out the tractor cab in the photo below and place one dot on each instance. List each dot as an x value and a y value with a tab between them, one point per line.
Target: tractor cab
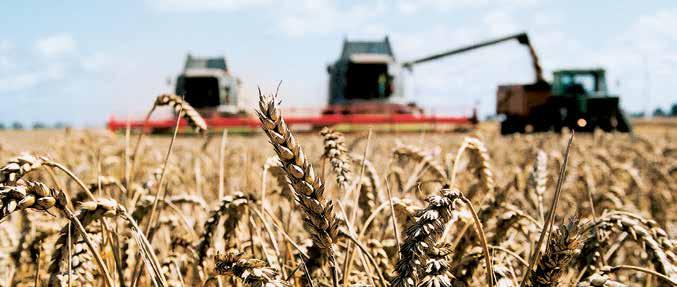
580	82
583	101
208	86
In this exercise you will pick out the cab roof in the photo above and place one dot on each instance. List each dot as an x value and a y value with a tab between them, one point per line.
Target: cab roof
205	63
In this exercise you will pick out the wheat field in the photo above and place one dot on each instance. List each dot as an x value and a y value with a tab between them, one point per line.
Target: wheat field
92	208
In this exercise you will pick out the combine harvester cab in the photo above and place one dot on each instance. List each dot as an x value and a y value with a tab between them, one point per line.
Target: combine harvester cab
365	91
208	86
362	81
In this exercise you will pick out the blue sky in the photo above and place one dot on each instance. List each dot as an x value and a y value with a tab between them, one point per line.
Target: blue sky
81	61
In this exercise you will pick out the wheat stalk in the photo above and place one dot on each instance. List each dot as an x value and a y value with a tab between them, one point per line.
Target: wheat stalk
172	271
551	213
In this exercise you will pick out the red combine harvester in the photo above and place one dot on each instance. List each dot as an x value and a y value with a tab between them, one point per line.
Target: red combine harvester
364	91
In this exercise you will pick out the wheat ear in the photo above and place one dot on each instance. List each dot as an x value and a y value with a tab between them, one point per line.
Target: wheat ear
17	167
230	205
437	272
420	156
564	246
335	150
319	218
95	210
600	280
34	195
652	239
538	180
252	272
481	160
370	187
177	103
423	234
273	166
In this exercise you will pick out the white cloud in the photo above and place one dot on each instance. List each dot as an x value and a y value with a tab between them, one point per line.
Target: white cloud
411	7
643	58
325	16
205	5
660	24
6	62
29	79
21	70
5	46
56	45
408	7
96	62
18	82
500	23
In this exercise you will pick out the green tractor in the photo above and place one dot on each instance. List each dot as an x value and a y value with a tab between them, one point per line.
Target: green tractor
577	99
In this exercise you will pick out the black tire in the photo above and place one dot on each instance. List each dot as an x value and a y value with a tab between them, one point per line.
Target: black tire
512	125
623	124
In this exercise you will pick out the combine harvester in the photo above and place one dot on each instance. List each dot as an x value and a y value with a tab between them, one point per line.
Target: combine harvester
365	91
362	94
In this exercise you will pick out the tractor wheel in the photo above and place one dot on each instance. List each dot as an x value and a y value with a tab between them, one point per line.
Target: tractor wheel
608	124
512	125
622	123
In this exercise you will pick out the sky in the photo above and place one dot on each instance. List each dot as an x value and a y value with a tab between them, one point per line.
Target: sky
81	62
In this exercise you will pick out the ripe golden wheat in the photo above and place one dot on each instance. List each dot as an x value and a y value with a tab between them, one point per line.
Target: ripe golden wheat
332	209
